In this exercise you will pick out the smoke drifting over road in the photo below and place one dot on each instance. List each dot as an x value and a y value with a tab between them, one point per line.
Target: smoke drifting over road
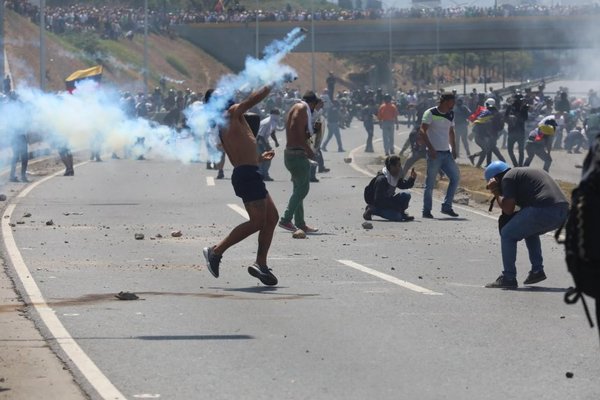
256	73
94	114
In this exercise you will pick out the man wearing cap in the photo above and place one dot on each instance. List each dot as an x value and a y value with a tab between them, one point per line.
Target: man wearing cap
437	132
543	208
388	117
298	128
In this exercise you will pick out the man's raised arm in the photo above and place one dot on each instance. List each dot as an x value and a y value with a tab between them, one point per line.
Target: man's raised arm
252	100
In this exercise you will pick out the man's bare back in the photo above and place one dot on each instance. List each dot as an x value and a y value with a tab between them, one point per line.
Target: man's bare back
296	129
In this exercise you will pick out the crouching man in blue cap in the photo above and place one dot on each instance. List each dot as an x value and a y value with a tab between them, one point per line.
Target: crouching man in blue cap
543	208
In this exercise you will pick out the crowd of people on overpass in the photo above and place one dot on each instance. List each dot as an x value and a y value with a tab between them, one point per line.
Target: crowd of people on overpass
112	21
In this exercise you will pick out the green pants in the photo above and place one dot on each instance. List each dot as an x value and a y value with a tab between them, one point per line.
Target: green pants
299	167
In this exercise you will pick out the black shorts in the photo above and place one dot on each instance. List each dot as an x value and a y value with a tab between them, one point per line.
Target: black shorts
248	183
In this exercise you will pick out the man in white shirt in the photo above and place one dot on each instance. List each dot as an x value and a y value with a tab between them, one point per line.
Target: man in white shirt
437	132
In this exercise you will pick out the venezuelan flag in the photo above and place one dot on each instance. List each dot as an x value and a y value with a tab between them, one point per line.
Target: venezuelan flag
94	73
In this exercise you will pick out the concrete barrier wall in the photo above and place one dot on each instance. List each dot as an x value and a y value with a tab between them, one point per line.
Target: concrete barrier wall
231	43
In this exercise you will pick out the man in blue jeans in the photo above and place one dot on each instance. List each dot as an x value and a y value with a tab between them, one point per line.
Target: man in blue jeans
437	132
544	208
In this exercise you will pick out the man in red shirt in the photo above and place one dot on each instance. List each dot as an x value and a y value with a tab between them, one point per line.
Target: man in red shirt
388	118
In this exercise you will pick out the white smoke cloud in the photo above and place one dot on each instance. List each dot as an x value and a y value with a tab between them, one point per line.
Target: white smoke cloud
94	113
257	72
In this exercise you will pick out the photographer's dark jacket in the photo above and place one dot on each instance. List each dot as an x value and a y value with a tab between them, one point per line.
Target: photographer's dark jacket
384	192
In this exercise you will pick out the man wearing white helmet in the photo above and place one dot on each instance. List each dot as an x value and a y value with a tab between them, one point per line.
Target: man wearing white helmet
543	208
486	128
539	142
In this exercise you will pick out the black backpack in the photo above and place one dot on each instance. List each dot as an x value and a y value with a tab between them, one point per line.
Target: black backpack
582	228
369	193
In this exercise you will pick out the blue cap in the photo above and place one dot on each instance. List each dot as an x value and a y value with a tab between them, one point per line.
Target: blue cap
495	168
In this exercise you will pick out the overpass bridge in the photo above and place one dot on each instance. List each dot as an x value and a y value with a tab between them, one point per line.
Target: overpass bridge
231	43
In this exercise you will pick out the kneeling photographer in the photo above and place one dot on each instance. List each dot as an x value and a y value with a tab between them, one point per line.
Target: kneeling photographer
381	197
543	208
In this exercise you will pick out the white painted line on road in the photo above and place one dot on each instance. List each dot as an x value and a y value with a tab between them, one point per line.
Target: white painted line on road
210	181
86	366
239	210
389	278
354	165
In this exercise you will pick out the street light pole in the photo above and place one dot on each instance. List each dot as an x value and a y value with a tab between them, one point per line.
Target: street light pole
391	82
2	72
312	44
42	45
145	48
256	50
437	48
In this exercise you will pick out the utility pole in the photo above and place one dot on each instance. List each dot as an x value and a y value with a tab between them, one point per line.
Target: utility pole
2	61
312	45
145	48
42	45
256	50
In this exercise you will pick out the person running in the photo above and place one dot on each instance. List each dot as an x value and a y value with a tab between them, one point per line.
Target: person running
437	132
298	151
539	142
543	208
486	127
239	143
333	126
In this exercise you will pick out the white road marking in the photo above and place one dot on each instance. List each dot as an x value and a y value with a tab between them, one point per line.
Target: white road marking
389	278
210	181
86	366
146	396
239	210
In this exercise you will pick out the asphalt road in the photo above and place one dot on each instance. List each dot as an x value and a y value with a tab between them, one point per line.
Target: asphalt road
398	311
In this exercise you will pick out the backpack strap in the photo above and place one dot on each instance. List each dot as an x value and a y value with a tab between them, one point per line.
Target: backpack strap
573	295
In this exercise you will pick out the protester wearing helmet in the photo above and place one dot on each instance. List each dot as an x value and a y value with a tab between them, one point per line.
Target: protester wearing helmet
486	127
543	208
539	142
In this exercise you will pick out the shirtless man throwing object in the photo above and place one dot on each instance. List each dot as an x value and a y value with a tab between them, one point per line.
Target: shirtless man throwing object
239	144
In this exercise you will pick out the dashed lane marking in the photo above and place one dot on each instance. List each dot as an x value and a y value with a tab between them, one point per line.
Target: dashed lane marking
210	181
80	359
389	278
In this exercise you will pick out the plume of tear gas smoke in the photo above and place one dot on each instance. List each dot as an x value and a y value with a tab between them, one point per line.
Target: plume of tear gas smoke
91	114
257	72
94	114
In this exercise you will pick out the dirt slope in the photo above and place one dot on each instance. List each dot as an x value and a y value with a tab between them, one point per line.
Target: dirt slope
181	62
123	66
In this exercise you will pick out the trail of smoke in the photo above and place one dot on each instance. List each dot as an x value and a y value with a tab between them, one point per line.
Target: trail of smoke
256	73
95	114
